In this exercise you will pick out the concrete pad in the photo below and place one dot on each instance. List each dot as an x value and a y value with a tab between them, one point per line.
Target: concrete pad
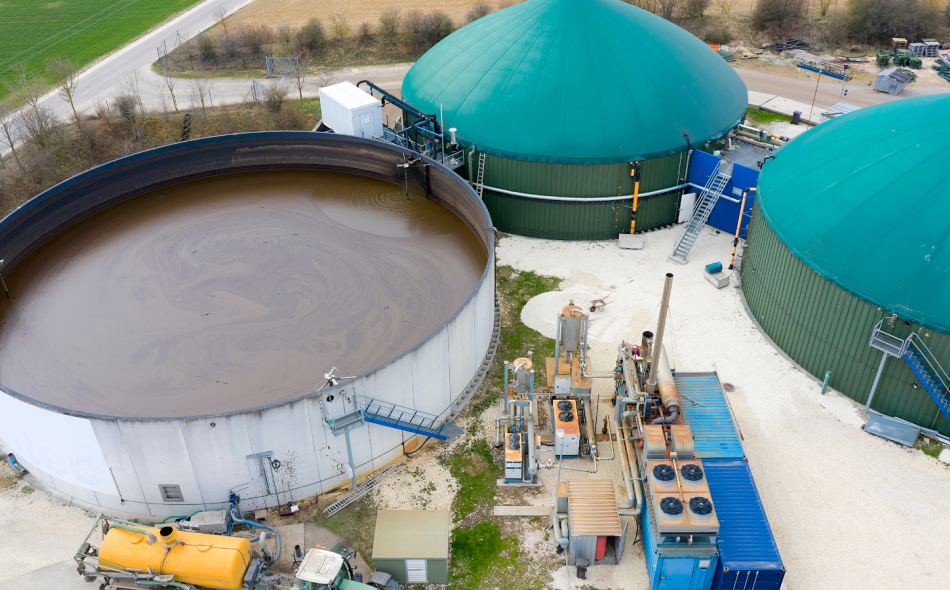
757	99
61	576
631	242
307	536
945	456
784	106
523	510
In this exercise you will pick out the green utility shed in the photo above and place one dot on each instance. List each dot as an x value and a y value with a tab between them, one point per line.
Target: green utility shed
851	232
560	96
413	545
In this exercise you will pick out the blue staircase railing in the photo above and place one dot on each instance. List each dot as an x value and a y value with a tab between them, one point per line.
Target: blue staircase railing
928	371
407	419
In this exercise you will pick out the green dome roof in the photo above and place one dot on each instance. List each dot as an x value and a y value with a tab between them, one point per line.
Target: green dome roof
864	200
577	82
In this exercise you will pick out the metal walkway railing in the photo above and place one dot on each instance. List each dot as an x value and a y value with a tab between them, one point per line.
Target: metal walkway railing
928	371
706	201
407	419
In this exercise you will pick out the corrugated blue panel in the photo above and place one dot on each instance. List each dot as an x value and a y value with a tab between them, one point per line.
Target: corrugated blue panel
704	408
748	555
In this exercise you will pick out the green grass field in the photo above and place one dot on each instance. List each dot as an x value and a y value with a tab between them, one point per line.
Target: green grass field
33	31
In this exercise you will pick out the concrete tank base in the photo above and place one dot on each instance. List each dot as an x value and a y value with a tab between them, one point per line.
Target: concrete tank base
148	466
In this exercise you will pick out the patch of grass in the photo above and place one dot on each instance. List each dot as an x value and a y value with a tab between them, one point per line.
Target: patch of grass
476	472
27	490
764	118
8	478
929	447
483	558
34	31
357	524
515	289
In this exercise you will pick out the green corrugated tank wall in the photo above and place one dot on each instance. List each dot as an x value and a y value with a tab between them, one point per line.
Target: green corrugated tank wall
598	220
824	328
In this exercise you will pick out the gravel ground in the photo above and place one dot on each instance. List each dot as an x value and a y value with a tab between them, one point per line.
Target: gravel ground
38	530
848	509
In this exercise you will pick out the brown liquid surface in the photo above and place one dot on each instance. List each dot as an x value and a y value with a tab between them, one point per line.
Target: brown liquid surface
232	293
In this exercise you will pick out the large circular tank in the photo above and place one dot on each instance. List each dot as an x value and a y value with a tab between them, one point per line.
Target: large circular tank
175	312
560	96
849	231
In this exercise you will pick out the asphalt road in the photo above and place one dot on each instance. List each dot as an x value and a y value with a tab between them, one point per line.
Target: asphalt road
829	93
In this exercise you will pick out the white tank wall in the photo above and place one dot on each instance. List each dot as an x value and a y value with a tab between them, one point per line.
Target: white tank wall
83	459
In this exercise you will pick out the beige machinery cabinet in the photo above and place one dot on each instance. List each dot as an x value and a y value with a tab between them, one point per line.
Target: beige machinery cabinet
413	545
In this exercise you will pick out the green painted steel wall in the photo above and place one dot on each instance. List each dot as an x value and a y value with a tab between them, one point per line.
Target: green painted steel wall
824	328
577	221
436	569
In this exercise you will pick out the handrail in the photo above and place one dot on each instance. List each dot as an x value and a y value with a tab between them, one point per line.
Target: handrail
925	355
699	200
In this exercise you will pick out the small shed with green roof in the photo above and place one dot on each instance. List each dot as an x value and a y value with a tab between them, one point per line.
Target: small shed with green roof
413	545
560	96
851	232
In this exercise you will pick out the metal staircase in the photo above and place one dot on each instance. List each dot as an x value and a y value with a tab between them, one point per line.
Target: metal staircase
718	180
364	488
928	371
407	419
480	179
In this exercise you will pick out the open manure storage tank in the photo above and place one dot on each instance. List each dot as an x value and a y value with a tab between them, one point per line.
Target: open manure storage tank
175	311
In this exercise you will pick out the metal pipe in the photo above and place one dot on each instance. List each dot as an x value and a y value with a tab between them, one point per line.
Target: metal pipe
591	441
824	385
633	464
625	471
877	377
586	200
667	386
564	542
735	241
660	328
532	455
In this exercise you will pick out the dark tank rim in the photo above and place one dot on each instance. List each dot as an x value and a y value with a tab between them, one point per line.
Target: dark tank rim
55	209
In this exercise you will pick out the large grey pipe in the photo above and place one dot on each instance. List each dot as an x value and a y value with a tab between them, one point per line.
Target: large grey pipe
631	456
667	386
532	453
660	328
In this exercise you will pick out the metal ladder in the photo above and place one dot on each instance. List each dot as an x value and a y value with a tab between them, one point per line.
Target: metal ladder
928	371
480	179
407	419
707	200
364	488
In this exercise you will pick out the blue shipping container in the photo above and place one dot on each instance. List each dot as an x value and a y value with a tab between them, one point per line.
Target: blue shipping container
677	566
748	556
705	410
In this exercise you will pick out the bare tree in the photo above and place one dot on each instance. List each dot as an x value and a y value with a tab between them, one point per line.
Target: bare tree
64	75
170	83
37	121
201	93
221	16
298	78
128	104
667	8
8	127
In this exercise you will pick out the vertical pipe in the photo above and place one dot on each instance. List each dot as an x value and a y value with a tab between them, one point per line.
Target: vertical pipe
504	404
877	377
824	386
349	455
660	328
735	241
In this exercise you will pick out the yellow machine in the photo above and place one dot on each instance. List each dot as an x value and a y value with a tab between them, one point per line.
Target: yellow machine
211	561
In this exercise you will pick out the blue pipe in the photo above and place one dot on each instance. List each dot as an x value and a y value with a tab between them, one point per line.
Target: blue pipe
251	523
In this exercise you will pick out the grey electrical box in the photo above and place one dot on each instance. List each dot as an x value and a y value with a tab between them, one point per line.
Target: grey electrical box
718	279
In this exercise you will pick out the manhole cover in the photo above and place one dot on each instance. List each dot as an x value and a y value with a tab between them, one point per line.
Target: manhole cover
728	386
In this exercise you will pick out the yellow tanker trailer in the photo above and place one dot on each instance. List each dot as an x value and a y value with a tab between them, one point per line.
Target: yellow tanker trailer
130	555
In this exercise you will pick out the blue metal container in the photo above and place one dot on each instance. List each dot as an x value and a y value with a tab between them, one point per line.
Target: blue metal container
705	410
748	556
673	565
